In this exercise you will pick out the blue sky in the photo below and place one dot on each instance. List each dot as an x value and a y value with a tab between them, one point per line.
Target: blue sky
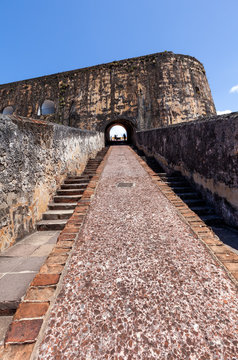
40	37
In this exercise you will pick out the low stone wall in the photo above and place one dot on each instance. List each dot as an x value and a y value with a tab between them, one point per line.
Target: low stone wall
206	152
35	157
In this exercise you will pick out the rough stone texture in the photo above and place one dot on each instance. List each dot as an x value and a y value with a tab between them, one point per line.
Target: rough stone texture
143	92
45	279
39	294
23	331
35	157
31	310
16	352
4	323
146	288
206	152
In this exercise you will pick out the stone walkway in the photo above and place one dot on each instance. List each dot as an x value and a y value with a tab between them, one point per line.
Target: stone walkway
18	267
139	284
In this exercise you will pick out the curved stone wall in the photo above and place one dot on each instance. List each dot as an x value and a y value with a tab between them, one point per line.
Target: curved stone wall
148	91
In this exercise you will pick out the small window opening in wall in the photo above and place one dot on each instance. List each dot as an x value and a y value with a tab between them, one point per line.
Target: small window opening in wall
8	110
197	90
118	133
48	107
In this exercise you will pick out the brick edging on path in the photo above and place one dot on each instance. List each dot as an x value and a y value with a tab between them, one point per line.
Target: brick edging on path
27	322
218	250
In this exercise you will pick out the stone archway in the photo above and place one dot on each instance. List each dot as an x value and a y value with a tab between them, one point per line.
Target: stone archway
129	127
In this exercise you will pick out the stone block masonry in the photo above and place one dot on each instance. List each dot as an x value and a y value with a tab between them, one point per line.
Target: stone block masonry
147	91
35	157
206	153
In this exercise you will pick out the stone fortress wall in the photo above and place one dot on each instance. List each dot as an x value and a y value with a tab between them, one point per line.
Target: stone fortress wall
148	92
35	157
205	151
155	97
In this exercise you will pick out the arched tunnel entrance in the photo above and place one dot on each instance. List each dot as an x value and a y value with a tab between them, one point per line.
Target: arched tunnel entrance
129	132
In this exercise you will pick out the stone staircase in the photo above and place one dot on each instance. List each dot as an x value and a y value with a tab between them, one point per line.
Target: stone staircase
67	197
192	198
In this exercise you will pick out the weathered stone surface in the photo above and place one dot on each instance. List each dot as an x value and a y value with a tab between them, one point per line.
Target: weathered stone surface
16	352
35	158
23	331
143	92
205	152
4	323
40	294
56	259
44	250
65	244
45	279
31	310
51	269
66	237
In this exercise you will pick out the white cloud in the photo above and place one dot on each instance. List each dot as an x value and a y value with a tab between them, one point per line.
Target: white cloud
234	89
223	112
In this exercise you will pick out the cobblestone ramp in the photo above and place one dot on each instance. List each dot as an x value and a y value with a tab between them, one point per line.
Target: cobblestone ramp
139	284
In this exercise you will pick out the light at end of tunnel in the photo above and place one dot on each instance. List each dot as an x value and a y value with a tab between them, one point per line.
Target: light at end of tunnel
118	130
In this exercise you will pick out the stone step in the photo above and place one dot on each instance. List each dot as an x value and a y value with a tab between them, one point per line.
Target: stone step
62	206
185	189
202	210
67	198
76	181
188	195
162	174
44	225
171	178
70	191
82	177
176	183
57	214
212	219
193	202
74	186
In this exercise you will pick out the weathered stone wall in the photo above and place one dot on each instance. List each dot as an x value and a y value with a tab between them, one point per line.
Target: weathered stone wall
206	152
35	157
148	91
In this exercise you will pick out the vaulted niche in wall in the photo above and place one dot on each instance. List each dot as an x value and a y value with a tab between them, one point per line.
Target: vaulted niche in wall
47	108
119	128
8	110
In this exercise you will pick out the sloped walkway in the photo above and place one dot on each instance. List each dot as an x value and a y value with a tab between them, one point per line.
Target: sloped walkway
139	284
